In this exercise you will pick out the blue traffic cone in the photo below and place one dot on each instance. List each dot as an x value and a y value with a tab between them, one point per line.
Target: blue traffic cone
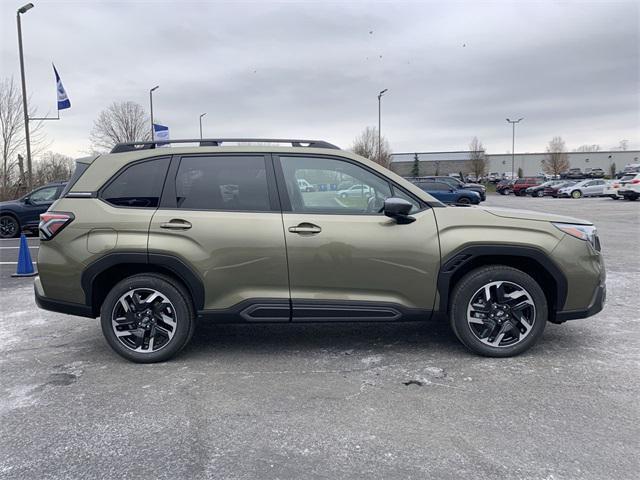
25	265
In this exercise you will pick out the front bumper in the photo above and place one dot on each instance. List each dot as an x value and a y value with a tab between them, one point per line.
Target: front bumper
595	306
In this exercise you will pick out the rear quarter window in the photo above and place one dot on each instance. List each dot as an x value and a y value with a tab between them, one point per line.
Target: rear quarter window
138	186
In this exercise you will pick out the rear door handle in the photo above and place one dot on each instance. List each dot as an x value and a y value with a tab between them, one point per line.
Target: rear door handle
176	224
305	228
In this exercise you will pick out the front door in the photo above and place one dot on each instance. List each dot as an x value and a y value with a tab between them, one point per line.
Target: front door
347	260
39	201
220	216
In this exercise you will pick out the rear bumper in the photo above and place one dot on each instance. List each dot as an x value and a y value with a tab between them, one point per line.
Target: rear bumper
60	306
596	305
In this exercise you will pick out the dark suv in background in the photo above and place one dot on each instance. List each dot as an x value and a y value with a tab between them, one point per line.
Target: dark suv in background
456	184
24	213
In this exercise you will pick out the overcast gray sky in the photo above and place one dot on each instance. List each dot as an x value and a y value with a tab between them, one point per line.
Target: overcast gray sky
313	69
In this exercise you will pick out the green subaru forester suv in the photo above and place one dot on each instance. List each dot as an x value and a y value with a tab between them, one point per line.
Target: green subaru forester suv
151	239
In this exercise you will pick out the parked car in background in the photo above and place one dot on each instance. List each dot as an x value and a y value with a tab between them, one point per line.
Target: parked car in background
305	186
552	190
631	168
355	191
538	190
509	176
521	184
630	187
573	173
24	213
596	173
493	177
458	185
505	187
584	188
448	194
611	190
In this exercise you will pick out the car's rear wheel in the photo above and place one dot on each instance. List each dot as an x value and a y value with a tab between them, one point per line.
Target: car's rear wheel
9	227
576	194
147	318
498	311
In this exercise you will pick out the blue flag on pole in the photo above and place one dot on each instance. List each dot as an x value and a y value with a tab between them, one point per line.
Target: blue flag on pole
63	99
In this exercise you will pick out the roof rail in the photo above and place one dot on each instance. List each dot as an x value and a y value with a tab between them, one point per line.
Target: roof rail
217	142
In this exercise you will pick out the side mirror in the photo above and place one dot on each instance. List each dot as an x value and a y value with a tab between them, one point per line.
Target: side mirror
27	201
398	209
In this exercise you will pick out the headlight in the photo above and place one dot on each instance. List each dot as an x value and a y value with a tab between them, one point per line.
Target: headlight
588	233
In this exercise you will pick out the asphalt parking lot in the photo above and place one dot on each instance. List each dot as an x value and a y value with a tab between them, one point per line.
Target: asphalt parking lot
326	401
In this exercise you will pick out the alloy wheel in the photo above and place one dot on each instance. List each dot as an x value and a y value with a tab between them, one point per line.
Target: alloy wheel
8	227
576	194
501	314
144	320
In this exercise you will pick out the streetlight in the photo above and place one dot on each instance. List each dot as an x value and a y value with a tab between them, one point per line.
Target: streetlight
379	123
151	108
513	144
25	110
201	115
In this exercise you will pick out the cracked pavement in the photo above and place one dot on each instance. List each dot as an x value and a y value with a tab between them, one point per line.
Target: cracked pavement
357	400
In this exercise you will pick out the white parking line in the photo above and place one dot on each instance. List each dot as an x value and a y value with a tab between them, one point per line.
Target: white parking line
12	263
16	248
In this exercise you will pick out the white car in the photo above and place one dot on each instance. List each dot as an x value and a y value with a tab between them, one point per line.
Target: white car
630	187
356	191
613	188
305	186
585	188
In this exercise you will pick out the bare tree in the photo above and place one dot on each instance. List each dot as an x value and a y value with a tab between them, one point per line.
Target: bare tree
556	161
12	136
120	122
366	145
623	145
588	148
52	167
477	157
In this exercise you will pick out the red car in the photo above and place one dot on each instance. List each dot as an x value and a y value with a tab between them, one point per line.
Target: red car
523	183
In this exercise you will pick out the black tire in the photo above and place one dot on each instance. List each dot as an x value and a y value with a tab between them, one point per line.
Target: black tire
539	193
464	201
576	194
9	226
468	287
182	305
502	192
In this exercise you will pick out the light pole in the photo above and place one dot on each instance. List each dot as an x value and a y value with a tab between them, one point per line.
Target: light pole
513	144
25	110
151	109
380	122
201	115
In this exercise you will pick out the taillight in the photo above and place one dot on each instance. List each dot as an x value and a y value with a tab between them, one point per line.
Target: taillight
635	180
51	223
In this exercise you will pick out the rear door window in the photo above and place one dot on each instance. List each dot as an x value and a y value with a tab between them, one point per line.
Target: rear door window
234	183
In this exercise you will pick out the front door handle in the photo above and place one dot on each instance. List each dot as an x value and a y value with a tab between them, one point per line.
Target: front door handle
176	224
305	228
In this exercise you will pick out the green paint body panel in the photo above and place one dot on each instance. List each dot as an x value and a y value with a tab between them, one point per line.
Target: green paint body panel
239	256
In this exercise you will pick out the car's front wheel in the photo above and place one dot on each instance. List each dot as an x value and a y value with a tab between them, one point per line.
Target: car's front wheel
147	318
498	311
9	227
576	194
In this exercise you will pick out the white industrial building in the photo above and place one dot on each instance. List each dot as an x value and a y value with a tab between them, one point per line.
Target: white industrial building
443	163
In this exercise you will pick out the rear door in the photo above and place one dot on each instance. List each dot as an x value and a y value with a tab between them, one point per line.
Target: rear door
347	260
220	217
